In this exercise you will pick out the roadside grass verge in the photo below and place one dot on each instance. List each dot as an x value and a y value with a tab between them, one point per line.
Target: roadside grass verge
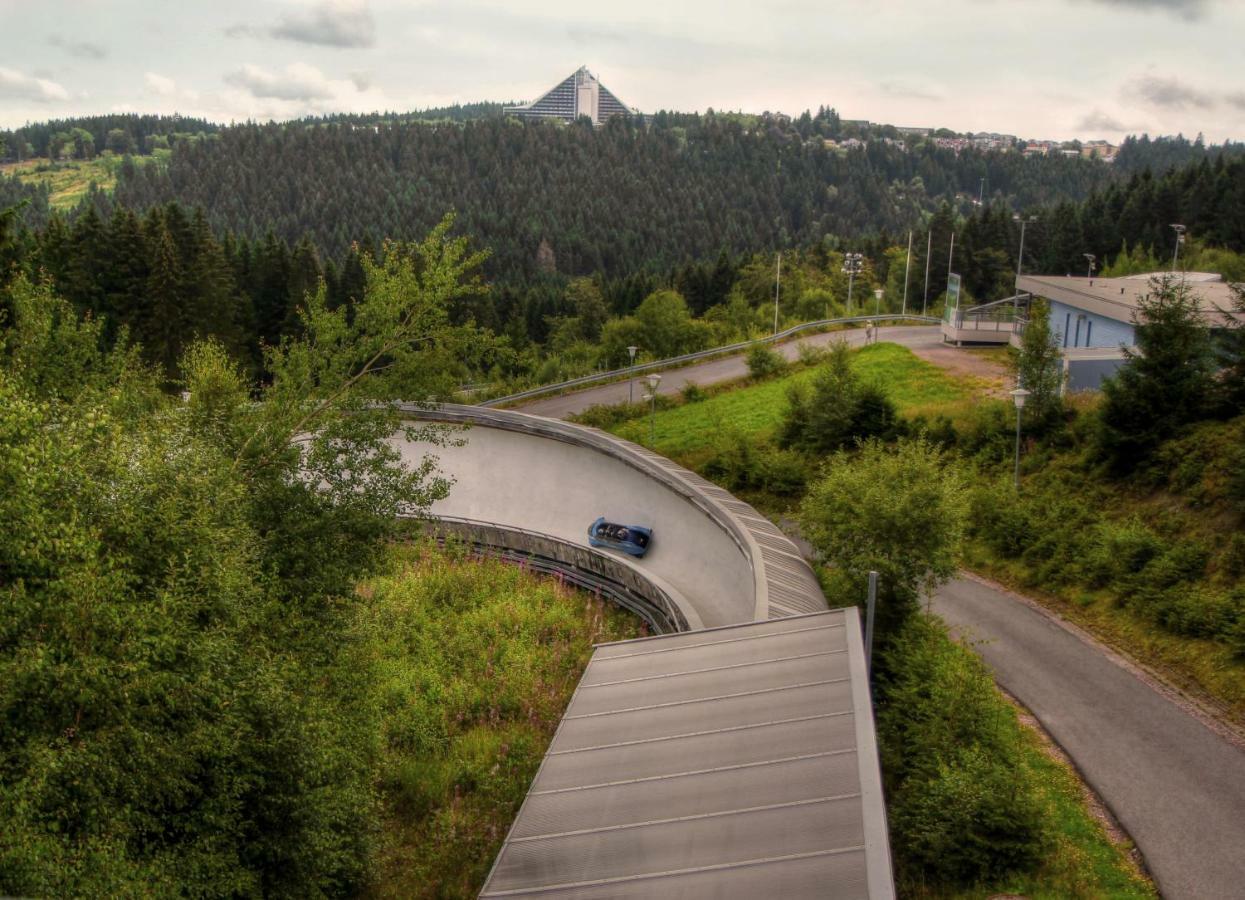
1208	670
947	736
472	664
917	387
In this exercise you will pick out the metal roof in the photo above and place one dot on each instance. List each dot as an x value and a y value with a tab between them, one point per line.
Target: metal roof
1117	298
728	762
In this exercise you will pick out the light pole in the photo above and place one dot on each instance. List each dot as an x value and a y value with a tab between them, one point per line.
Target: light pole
1180	231
1020	259
877	301
853	263
1091	260
653	381
777	289
631	378
1018	397
929	248
1020	262
906	268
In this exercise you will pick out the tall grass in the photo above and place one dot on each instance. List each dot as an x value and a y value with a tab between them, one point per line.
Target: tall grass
472	664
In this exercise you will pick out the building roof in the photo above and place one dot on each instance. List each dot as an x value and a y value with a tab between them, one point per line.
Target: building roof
728	762
562	100
1117	298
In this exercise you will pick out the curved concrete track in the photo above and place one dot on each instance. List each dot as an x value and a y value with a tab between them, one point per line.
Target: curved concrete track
1176	786
728	368
717	559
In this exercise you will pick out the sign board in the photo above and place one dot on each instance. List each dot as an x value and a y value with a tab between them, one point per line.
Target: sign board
953	291
953	297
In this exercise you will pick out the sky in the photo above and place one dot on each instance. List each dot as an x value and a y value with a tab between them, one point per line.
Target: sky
1056	69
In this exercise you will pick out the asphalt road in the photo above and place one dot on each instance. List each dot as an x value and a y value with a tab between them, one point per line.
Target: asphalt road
1177	787
728	368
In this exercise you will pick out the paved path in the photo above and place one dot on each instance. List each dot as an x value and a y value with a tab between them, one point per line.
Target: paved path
728	368
1177	787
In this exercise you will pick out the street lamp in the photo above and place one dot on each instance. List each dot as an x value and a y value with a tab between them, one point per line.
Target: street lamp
1180	231
1020	260
1091	259
631	377
653	381
877	302
1018	397
853	264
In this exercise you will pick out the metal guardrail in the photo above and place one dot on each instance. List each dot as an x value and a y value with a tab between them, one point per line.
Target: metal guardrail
700	354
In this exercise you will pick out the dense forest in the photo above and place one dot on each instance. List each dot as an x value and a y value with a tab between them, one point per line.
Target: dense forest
230	230
634	195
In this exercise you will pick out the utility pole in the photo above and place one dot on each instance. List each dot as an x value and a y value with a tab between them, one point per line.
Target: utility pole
929	246
981	190
906	268
777	283
853	263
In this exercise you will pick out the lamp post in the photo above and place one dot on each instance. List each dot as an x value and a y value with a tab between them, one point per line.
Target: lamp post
1091	260
631	377
1020	259
653	381
877	300
1020	262
777	288
1180	232
853	263
1018	397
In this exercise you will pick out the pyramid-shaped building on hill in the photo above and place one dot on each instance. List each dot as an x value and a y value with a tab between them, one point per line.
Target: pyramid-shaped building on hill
580	94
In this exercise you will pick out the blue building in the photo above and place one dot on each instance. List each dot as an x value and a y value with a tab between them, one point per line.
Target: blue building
1095	318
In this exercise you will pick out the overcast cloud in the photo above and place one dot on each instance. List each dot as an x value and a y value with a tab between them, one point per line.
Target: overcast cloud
1035	68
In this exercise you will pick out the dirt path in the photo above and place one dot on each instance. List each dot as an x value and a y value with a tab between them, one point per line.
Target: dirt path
984	363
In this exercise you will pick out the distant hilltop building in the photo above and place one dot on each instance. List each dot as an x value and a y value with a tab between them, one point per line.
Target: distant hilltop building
580	94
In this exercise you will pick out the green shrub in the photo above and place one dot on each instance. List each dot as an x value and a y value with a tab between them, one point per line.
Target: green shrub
810	354
964	805
1196	610
693	393
837	409
975	820
1232	559
741	462
764	361
1120	550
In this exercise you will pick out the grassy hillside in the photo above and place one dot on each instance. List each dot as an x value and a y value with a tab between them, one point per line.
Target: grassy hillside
69	180
472	664
917	387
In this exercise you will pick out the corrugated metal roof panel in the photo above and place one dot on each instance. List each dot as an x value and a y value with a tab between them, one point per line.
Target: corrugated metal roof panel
715	763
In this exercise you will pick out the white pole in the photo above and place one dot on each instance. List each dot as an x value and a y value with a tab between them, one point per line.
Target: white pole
929	247
870	606
951	255
906	268
777	283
